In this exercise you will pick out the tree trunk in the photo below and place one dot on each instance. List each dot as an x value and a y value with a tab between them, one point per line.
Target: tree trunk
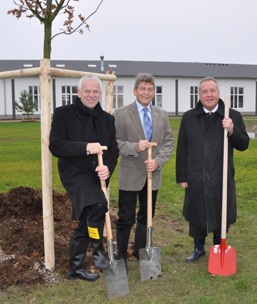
47	39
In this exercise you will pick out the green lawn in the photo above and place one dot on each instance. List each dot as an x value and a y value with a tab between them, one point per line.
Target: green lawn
20	165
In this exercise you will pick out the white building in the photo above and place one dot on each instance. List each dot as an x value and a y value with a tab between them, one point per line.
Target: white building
176	84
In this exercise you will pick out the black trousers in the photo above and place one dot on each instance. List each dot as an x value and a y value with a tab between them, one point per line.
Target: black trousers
127	207
93	214
199	233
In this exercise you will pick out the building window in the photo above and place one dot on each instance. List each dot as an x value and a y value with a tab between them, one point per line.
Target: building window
34	92
69	94
193	96
157	101
117	97
237	97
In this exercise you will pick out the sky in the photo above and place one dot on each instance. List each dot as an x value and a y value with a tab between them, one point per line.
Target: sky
220	31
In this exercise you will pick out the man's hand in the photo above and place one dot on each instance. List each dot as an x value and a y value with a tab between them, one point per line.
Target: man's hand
103	172
142	145
228	124
151	165
184	185
93	148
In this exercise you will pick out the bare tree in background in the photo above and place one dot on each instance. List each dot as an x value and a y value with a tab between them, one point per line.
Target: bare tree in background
46	11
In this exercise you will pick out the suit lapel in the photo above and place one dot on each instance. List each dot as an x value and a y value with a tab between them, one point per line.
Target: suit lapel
134	115
155	122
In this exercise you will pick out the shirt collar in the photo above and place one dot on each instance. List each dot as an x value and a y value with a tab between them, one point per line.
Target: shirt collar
140	107
213	111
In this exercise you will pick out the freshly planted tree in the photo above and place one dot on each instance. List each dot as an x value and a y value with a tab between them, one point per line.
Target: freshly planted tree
25	104
46	11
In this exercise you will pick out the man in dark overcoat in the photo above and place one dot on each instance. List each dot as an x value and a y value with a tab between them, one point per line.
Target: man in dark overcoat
199	164
77	135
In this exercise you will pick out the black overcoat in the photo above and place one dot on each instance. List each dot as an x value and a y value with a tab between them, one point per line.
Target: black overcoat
199	162
73	127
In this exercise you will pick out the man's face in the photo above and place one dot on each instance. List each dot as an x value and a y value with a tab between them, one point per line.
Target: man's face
209	94
90	93
144	93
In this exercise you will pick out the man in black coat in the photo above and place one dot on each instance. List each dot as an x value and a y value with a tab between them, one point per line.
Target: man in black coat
78	131
199	164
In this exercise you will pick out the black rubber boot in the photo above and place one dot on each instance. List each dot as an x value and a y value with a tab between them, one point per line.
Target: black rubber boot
95	231
77	256
122	245
140	239
198	251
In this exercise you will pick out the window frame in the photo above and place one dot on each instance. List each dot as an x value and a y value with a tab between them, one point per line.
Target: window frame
118	96
34	92
70	94
158	97
194	96
237	97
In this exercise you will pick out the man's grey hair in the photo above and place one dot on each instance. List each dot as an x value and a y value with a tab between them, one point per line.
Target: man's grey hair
209	78
89	77
144	77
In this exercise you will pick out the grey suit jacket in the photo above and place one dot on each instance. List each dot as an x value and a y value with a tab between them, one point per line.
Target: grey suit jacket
129	130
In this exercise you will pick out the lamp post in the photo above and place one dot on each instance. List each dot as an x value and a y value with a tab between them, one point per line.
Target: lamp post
102	62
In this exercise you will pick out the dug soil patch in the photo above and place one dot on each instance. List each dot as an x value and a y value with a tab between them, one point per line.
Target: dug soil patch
22	239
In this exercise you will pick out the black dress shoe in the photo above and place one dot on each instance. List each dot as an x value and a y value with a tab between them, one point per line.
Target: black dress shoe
82	275
195	256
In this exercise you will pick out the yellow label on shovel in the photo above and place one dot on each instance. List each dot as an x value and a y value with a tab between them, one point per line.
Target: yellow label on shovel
93	233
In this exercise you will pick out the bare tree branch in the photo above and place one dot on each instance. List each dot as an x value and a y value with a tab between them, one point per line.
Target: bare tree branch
46	11
83	22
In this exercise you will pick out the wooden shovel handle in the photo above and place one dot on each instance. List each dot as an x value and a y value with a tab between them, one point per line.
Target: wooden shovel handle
103	187
149	188
225	173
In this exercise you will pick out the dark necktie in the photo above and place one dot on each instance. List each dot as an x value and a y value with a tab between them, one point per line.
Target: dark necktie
147	125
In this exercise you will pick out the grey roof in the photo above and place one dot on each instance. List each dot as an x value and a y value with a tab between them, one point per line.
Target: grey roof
132	68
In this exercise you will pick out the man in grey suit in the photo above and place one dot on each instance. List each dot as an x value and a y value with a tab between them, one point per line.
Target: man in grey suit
133	139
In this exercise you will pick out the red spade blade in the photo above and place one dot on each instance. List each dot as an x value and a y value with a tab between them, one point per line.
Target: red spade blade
222	260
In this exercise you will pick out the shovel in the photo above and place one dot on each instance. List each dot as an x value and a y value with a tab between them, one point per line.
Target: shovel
149	257
115	275
222	258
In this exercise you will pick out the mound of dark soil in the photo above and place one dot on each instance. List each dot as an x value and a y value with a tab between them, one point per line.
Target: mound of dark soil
22	241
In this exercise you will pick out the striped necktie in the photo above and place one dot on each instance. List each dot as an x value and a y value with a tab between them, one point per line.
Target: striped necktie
147	125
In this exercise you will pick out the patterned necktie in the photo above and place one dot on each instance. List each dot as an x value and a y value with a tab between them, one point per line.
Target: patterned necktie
147	125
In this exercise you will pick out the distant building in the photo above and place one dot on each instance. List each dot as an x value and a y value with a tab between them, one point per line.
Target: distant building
176	83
